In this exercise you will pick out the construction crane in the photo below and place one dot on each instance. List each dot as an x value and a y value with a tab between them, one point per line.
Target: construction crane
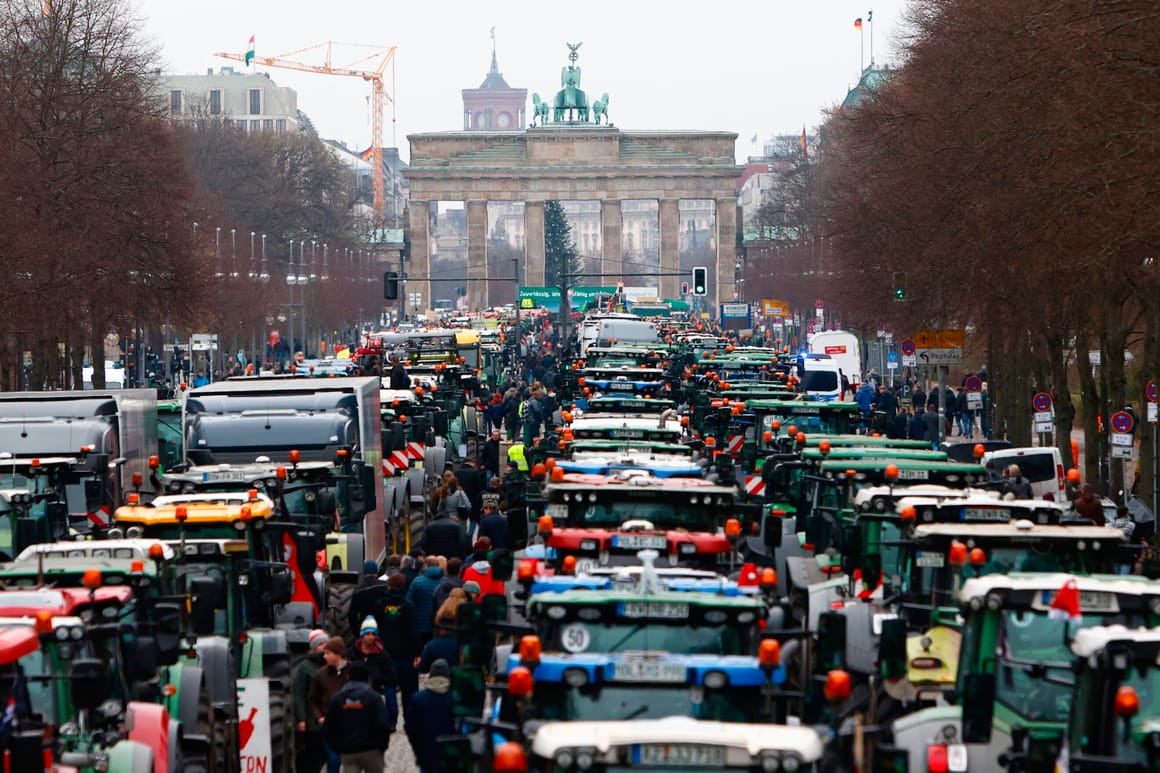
384	55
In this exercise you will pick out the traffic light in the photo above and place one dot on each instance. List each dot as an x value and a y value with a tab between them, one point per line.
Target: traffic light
391	285
684	288
700	281
900	293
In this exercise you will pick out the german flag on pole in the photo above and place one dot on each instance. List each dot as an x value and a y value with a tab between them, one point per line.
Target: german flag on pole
802	143
858	24
367	154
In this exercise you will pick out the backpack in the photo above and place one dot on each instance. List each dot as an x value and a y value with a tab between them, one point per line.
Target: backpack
525	409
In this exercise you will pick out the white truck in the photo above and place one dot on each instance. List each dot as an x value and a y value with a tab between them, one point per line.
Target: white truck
842	347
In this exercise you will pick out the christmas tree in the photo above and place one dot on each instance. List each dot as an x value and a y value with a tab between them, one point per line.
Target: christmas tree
561	260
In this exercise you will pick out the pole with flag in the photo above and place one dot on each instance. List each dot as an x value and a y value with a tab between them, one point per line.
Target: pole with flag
250	52
870	23
861	45
802	143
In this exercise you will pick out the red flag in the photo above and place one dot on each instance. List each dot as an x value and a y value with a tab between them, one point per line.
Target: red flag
858	24
805	151
1065	605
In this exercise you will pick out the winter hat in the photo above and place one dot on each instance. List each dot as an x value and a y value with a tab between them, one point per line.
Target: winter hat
317	638
369	625
440	668
336	645
370	567
471	588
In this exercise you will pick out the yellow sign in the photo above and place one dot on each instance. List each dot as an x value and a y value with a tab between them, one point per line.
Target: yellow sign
771	308
527	303
938	339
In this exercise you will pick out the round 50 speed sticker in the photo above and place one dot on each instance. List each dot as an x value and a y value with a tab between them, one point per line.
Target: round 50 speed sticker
575	638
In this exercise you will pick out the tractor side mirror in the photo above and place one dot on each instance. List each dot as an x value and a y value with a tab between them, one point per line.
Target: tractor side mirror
892	649
167	631
281	588
88	683
771	531
203	592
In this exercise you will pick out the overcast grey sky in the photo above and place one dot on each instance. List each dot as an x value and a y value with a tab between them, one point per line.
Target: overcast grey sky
763	68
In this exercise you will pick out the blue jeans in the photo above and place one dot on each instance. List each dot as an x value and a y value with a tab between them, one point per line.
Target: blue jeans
408	682
333	759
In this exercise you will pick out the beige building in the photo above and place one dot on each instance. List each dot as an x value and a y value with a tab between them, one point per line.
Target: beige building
250	101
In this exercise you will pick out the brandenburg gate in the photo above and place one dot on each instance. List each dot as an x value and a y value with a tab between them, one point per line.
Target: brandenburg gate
569	154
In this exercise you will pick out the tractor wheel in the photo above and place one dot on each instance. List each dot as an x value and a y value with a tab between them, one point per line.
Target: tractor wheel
277	671
338	597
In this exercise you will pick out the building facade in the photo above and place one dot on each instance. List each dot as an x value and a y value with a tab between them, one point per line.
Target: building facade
250	102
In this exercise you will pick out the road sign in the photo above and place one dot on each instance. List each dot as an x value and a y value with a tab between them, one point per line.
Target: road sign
908	346
939	356
1152	412
909	361
1041	402
973	384
818	304
734	309
203	342
892	357
1150	391
1123	452
938	339
1122	421
1121	438
774	308
1044	426
1044	416
974	401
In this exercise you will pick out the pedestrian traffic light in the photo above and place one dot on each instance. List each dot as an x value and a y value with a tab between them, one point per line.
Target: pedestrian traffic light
900	293
700	280
391	285
684	288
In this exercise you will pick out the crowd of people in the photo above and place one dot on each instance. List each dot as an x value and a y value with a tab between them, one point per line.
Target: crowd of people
884	412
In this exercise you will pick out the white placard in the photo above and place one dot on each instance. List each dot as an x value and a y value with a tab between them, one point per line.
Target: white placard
939	356
1121	438
254	724
1044	426
1044	416
892	366
1152	413
909	360
974	400
1123	452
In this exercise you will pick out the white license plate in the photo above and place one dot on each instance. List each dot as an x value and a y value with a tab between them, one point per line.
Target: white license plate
224	476
1089	601
638	542
930	560
678	754
558	512
986	514
956	758
660	609
913	474
623	386
648	671
630	434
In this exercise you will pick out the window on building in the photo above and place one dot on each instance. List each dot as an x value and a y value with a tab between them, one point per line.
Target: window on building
280	126
255	126
268	124
255	101
175	102
215	102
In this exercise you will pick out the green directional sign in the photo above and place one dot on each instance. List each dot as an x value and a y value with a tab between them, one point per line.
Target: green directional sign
582	296
539	298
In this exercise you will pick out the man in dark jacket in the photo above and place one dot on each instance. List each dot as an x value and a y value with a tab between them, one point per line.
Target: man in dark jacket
396	623
310	754
367	597
494	526
431	718
324	685
1020	487
445	537
421	594
471	481
451	579
357	724
399	377
489	456
369	649
916	426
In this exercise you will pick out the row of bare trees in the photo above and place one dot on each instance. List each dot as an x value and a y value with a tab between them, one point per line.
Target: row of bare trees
1006	177
102	191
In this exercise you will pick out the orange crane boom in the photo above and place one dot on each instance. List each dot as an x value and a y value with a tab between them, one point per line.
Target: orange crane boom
383	55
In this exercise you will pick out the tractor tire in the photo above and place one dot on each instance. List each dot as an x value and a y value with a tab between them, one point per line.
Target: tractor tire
338	597
277	671
281	729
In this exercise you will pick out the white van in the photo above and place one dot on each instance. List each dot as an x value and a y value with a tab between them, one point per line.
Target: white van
605	329
820	377
1042	465
842	347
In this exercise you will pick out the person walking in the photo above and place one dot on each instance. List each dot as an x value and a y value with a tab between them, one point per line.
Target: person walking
309	752
399	377
367	597
369	649
324	685
489	456
494	526
396	623
445	644
421	595
451	579
432	717
930	422
916	427
531	417
357	724
445	536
